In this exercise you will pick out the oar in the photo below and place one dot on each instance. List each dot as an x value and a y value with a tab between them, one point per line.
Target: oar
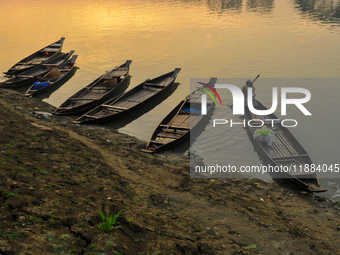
173	119
256	78
254	94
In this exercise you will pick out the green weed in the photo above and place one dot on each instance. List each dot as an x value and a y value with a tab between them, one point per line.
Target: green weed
8	194
86	156
108	221
108	243
11	236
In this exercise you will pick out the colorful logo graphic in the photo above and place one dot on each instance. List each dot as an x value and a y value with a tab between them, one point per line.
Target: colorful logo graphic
239	99
207	91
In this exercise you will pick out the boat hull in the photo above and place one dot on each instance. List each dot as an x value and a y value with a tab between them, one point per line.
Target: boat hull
37	58
135	98
66	108
70	70
182	122
30	76
285	151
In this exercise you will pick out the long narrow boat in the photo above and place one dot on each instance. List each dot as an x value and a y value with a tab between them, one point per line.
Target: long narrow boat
97	92
50	81
129	101
37	58
180	122
30	75
285	151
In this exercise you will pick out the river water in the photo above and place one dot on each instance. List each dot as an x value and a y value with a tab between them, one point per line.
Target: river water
297	40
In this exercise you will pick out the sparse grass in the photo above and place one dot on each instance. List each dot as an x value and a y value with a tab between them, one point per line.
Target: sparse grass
8	194
41	171
85	156
108	221
30	219
320	199
10	237
108	243
82	225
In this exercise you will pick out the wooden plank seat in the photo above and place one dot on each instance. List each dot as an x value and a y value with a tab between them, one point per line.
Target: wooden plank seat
101	88
56	45
77	98
158	142
51	49
175	127
153	84
168	136
290	157
91	116
114	107
25	76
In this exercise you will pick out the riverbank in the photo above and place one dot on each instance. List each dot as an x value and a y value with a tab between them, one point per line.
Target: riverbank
55	176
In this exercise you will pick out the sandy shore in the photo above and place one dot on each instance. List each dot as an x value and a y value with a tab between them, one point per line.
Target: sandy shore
55	176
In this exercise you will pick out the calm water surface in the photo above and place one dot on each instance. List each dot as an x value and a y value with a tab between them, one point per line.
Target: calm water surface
231	38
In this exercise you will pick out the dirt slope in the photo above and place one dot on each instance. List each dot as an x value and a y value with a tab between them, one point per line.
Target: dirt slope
56	176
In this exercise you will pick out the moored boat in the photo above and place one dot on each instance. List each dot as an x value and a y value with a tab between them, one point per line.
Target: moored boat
130	100
180	122
30	75
37	58
53	78
100	90
283	151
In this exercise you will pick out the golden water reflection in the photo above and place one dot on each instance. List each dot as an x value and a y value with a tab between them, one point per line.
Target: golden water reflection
221	38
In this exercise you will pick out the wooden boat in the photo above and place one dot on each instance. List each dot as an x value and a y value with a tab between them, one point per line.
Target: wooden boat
37	58
180	122
30	75
129	101
50	81
97	92
284	151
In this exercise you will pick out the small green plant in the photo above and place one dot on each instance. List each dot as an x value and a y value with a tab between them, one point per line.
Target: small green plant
93	247
8	194
51	222
82	225
108	221
86	156
320	199
74	251
41	171
108	243
30	219
11	236
136	240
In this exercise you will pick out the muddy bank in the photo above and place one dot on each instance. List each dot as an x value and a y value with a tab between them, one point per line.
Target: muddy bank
56	176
